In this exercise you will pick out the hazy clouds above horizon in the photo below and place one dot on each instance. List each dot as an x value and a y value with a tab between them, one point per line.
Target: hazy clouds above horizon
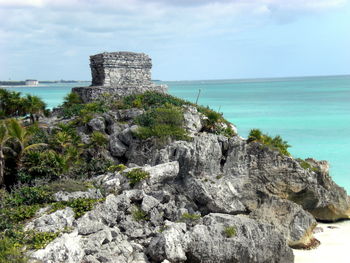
187	39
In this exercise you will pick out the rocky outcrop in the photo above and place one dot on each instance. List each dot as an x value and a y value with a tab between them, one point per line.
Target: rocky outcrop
289	219
68	196
54	222
239	173
209	198
209	241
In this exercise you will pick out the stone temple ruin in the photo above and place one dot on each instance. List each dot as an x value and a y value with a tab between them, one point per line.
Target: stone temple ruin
119	74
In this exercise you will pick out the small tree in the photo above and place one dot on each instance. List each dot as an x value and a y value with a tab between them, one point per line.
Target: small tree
34	106
4	137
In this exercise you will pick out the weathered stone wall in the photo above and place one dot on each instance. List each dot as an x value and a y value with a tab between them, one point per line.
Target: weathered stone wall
120	69
119	74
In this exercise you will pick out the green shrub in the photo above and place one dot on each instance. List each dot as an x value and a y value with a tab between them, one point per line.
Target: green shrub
230	231
71	99
307	166
84	111
152	100
38	240
98	139
13	104
80	205
11	216
14	243
46	164
91	167
190	217
215	122
139	215
136	175
11	251
38	135
276	142
149	100
162	122
27	195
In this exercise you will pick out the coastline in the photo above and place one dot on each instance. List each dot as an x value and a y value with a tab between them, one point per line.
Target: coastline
335	240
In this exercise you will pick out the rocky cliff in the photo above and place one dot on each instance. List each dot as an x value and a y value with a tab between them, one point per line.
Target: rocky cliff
211	197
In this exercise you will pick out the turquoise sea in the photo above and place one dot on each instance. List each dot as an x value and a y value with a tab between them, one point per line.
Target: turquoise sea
311	113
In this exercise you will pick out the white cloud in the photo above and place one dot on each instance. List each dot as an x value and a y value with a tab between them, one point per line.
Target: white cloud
71	27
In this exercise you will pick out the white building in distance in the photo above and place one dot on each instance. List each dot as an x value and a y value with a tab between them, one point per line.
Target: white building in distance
32	82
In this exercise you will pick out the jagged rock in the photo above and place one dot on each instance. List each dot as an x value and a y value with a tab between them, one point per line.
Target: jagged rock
129	114
87	226
268	171
66	248
148	203
56	221
116	128
251	242
289	219
127	135
215	195
97	124
207	242
200	157
171	244
116	147
162	172
192	119
91	193
208	174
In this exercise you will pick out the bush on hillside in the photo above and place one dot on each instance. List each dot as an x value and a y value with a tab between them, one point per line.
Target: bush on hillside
276	142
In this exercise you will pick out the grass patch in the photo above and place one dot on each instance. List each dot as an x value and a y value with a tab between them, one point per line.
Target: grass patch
136	175
117	168
230	231
69	185
190	217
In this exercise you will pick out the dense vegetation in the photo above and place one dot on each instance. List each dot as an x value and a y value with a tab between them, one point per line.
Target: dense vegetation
276	142
36	161
13	104
22	204
151	101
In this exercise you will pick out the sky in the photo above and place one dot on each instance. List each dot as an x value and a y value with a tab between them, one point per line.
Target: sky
186	39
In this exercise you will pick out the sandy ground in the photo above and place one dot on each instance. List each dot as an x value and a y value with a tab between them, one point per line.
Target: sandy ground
335	245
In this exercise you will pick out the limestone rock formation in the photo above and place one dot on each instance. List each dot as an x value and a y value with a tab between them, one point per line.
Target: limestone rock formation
118	74
209	198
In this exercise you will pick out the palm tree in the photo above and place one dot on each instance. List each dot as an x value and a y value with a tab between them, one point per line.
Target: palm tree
11	103
21	136
34	106
4	137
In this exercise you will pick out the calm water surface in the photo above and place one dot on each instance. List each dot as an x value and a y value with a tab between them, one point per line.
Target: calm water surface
312	114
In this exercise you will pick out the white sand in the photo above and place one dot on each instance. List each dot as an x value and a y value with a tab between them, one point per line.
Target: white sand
334	248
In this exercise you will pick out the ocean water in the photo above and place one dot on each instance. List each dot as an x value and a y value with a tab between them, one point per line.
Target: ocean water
311	113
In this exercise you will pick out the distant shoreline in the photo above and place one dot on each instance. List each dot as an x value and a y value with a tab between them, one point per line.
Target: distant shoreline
22	83
41	83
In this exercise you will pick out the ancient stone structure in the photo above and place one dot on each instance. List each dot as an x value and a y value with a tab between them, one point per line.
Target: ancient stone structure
119	74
